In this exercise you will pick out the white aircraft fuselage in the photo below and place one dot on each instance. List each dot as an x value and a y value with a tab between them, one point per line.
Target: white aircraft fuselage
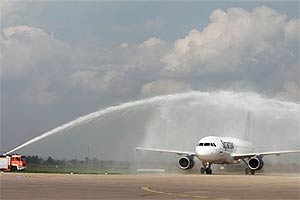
219	150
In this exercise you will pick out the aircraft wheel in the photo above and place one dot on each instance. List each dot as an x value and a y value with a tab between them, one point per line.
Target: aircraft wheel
13	169
208	171
202	170
247	170
252	172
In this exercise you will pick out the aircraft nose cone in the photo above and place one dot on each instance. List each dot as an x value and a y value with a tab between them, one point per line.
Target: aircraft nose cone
205	153
202	151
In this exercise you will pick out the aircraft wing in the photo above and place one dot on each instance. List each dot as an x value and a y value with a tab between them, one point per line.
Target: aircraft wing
248	155
167	151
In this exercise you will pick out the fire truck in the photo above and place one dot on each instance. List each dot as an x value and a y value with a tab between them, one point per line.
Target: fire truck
12	163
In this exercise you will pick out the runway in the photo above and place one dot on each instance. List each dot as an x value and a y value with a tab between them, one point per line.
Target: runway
148	186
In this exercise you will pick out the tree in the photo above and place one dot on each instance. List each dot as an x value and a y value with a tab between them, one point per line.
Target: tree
34	160
50	161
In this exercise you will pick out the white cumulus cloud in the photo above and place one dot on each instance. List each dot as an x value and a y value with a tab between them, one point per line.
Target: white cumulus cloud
153	41
258	48
27	49
231	37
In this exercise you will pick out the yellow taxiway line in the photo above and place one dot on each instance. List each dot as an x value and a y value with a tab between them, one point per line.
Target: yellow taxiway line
148	189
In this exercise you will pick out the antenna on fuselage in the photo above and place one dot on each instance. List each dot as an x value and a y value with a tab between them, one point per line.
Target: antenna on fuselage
246	135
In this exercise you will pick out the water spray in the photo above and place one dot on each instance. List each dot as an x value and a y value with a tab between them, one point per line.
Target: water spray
94	115
163	99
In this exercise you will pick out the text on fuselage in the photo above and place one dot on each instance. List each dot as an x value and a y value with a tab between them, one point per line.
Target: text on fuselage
227	145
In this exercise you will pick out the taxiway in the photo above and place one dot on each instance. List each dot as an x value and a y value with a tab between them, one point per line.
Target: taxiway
148	186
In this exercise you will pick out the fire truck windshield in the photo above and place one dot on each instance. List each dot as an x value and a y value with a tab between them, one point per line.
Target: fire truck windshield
23	158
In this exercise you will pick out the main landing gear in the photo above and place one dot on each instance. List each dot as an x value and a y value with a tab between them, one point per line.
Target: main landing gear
206	169
248	170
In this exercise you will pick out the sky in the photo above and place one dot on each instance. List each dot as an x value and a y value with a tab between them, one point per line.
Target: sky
62	60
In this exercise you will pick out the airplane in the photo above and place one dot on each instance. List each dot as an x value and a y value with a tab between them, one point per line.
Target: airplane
221	150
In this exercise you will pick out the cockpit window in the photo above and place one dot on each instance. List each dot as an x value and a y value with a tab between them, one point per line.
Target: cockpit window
207	144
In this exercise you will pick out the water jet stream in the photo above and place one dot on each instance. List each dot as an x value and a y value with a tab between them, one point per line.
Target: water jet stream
94	115
157	99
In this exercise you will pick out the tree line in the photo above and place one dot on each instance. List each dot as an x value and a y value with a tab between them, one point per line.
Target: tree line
87	162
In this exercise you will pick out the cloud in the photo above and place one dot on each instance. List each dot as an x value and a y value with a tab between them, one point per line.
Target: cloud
230	40
257	48
260	47
292	30
93	81
153	41
38	92
27	49
16	12
243	50
32	60
161	87
5	7
124	45
31	52
87	79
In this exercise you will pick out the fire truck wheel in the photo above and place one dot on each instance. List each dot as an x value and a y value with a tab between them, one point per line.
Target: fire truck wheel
13	169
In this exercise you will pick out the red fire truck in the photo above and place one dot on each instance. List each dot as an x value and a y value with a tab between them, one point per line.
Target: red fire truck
12	163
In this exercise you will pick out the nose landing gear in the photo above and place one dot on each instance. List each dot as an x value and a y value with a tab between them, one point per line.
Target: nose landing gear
206	168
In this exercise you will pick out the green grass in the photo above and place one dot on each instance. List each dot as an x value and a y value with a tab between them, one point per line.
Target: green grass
76	170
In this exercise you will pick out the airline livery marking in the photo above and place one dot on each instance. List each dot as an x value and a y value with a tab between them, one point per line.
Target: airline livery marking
227	145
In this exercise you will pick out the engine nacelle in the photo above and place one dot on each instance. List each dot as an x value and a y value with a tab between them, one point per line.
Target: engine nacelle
255	163
186	162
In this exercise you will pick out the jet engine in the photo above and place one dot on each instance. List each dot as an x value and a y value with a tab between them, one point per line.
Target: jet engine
256	163
186	162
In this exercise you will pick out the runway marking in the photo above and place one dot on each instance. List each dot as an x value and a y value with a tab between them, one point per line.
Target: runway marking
148	189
